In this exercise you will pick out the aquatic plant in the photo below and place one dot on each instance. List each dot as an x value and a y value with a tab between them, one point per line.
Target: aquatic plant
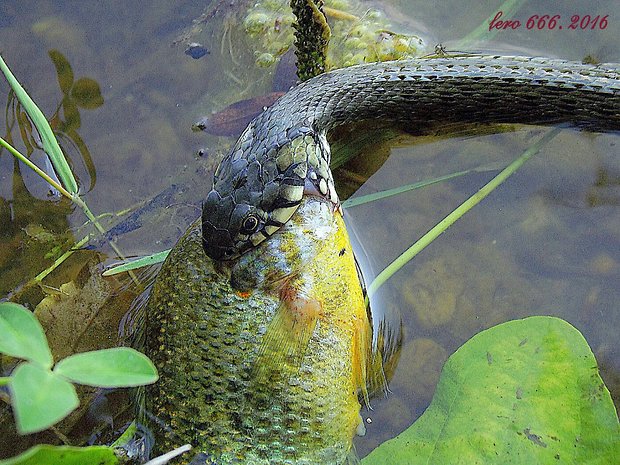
312	34
526	391
83	92
359	35
41	392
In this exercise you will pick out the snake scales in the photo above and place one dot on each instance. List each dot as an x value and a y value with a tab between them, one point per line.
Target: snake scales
284	152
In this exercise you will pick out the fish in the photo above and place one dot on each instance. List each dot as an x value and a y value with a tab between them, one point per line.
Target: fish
266	359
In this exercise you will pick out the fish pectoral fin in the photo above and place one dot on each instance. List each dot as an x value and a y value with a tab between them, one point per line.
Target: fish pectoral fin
287	336
352	457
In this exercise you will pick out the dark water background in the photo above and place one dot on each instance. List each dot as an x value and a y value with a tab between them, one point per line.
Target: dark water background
547	242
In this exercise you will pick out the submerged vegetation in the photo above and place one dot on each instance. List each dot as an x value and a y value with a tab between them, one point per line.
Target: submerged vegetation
358	34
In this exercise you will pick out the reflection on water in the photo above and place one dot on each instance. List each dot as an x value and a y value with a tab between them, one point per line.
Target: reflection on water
534	247
545	243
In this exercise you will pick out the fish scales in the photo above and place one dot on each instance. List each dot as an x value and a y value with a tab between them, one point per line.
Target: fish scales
265	376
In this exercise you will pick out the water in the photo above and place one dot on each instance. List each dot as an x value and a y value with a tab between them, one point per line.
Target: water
546	242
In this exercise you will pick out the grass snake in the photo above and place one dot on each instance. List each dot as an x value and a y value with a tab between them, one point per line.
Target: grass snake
284	154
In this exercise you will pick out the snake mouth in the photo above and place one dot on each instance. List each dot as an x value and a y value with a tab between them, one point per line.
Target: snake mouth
219	253
222	254
217	242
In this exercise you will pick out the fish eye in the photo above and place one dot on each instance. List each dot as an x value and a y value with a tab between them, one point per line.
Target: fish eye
250	224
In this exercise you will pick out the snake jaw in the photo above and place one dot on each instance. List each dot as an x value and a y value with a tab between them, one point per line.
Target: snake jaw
267	193
224	226
266	183
215	242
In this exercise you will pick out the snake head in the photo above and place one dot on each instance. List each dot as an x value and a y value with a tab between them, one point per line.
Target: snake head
229	229
254	196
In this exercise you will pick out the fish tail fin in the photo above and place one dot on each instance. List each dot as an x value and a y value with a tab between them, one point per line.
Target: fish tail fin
386	346
376	350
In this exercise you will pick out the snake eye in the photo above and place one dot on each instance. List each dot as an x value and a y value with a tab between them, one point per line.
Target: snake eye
250	224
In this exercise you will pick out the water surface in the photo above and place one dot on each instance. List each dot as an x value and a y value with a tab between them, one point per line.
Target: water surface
546	243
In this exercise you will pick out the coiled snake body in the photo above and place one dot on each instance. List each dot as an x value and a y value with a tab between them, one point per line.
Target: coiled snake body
284	152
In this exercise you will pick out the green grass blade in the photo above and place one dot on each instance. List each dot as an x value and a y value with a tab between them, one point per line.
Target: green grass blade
41	276
50	144
444	224
126	437
34	167
138	263
353	202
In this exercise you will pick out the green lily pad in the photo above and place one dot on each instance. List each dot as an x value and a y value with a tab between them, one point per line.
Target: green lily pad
64	455
40	398
117	367
527	391
22	336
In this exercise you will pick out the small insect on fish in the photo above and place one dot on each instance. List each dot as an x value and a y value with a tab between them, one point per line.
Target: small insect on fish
263	359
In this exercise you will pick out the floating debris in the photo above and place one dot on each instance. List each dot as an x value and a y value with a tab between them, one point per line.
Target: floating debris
195	50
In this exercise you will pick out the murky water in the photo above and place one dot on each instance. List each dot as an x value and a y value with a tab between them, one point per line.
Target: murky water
546	242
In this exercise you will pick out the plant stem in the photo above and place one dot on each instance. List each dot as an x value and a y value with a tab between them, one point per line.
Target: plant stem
53	150
80	203
75	198
34	167
444	224
41	276
353	202
48	139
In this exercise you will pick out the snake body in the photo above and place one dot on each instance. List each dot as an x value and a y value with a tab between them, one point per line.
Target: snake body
284	152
